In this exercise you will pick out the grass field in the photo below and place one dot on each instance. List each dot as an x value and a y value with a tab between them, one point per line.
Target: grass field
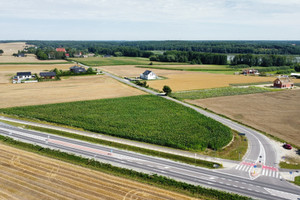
144	118
25	175
297	180
276	113
217	92
72	89
100	61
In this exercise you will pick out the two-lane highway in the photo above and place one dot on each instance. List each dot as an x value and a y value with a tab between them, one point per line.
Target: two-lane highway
179	171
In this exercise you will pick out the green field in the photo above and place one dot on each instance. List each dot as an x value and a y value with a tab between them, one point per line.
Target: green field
100	61
144	118
217	92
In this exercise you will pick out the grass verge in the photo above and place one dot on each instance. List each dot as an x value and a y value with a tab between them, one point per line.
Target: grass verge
192	161
156	180
217	92
290	163
297	180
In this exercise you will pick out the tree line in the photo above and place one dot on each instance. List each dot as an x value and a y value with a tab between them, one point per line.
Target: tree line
262	60
191	57
226	47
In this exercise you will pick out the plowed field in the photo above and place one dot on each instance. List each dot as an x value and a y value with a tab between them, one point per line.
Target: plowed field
26	175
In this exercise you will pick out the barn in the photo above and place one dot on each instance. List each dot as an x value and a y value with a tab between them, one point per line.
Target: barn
48	75
283	82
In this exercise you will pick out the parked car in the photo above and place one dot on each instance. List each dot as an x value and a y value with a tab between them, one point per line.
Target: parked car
287	146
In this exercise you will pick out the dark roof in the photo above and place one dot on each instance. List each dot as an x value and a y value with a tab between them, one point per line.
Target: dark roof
47	74
147	72
23	73
76	67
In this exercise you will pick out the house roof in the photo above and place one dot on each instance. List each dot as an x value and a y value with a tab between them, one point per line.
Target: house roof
60	49
47	74
75	67
284	79
23	73
147	72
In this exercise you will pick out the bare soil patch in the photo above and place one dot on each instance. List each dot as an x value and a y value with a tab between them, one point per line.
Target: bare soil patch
276	113
25	175
186	80
72	89
12	47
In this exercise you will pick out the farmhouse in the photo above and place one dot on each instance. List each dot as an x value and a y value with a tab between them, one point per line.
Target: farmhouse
283	82
78	55
61	50
250	72
76	69
23	77
148	75
48	75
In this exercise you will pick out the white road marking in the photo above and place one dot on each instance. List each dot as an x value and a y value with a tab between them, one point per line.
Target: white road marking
273	173
277	174
263	172
237	167
242	169
247	168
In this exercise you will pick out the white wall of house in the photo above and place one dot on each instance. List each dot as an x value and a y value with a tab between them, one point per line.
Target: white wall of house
150	76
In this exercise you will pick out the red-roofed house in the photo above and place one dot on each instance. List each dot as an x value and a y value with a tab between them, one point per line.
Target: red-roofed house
61	50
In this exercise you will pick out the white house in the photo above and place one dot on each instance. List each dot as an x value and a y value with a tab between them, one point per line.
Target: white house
23	76
148	75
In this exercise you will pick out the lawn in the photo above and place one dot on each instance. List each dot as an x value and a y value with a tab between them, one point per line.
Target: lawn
144	118
217	92
101	61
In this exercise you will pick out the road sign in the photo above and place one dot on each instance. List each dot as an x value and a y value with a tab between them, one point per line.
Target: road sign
254	166
291	172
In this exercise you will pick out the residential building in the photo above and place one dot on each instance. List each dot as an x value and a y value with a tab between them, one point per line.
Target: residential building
283	82
48	75
76	69
148	75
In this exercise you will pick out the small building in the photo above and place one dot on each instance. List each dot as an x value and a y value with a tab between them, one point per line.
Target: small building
48	75
148	75
296	75
78	55
283	82
19	55
24	75
61	50
67	55
107	56
250	72
76	69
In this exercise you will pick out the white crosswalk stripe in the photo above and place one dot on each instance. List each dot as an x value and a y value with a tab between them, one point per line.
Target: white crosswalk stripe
247	168
263	172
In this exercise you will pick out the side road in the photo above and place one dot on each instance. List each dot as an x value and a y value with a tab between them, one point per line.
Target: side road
224	162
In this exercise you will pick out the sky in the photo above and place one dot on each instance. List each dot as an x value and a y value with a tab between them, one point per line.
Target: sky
150	20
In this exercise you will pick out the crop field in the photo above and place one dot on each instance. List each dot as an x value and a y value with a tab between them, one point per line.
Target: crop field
217	92
276	113
187	80
100	61
7	71
145	118
72	89
12	47
25	175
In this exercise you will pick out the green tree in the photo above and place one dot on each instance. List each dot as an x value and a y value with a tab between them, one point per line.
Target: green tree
1	51
167	90
90	70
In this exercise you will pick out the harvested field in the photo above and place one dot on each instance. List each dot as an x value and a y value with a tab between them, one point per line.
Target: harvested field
12	47
7	71
276	113
72	89
185	80
26	175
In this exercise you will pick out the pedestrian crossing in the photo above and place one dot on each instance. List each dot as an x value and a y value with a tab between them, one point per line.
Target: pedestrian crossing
264	170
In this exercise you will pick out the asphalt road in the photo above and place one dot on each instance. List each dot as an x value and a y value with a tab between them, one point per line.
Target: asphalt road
261	187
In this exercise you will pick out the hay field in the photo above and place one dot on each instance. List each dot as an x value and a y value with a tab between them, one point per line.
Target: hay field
276	113
25	175
7	71
186	80
73	89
